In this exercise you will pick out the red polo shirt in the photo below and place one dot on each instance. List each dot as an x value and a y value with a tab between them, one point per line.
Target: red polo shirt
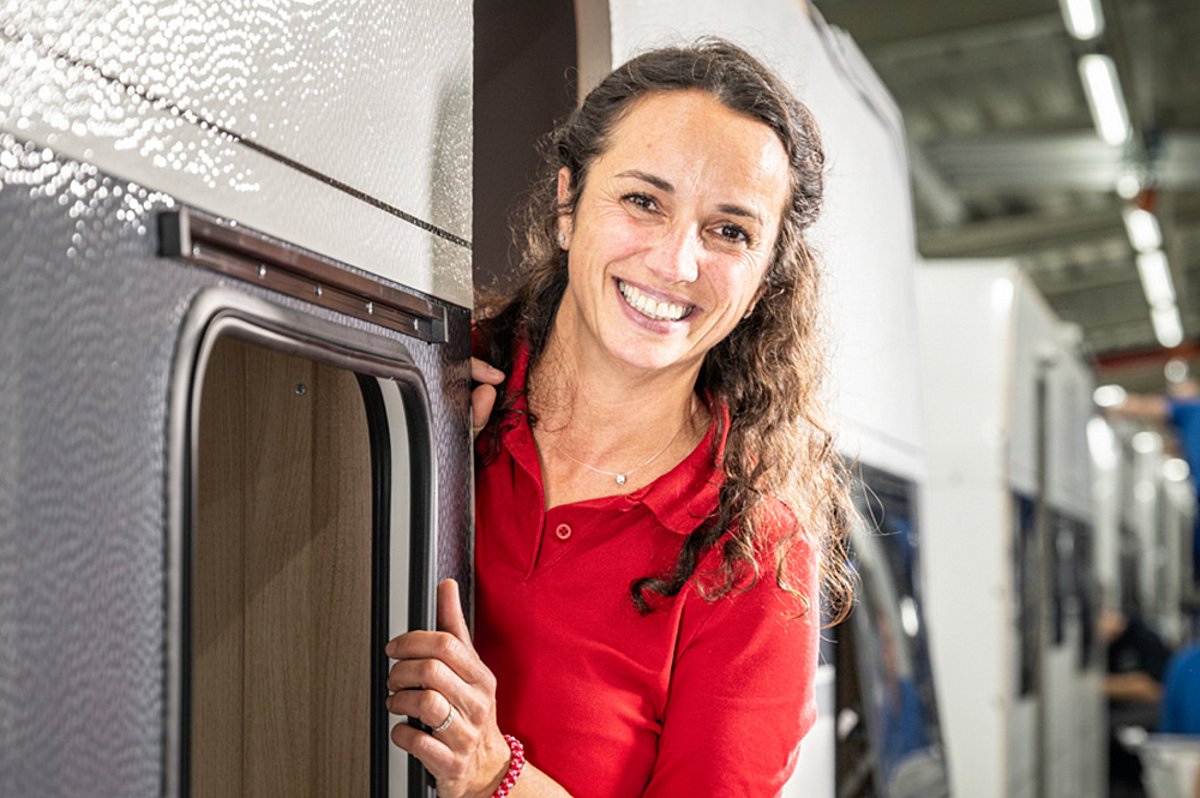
694	699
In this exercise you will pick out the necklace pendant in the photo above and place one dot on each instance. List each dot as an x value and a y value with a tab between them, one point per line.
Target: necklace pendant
620	479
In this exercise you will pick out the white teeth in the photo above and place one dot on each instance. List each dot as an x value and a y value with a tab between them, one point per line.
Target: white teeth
654	309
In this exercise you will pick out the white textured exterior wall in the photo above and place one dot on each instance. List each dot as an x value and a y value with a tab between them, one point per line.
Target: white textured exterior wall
255	112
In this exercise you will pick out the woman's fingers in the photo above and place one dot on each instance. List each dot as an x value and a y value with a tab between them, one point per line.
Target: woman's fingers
459	657
418	674
450	614
439	679
444	661
435	659
434	754
433	709
458	729
483	395
483	399
451	621
428	706
478	702
485	372
414	676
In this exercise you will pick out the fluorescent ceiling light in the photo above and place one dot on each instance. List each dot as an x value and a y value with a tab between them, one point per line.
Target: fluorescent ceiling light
1176	470
1146	442
1107	103
1128	186
1084	18
1102	442
1143	229
1176	370
1108	395
1168	328
1156	279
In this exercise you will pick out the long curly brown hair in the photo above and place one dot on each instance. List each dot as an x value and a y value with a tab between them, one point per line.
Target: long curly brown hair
768	371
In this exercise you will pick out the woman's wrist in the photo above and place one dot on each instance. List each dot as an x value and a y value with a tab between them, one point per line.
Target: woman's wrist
499	758
516	763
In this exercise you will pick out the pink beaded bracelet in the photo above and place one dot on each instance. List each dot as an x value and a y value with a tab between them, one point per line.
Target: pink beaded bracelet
514	766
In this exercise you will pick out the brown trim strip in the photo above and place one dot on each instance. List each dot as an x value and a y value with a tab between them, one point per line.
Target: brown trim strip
229	249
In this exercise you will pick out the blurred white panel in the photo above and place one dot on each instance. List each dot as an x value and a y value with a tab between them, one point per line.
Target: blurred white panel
1022	752
1108	470
967	337
966	547
1036	356
1069	467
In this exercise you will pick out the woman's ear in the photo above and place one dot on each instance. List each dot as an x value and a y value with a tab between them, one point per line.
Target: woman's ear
564	185
564	218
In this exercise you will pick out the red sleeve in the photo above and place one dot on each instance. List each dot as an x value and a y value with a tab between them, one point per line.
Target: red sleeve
741	695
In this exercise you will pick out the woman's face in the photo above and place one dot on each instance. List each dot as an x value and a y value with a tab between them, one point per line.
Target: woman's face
673	232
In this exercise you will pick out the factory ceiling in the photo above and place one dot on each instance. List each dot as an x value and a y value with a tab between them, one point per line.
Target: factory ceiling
1006	160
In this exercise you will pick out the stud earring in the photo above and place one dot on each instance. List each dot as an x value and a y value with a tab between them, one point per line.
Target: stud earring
562	239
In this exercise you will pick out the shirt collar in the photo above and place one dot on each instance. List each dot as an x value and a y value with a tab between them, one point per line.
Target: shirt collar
680	499
687	495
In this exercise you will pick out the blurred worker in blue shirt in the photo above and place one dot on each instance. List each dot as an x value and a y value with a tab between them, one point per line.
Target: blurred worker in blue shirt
1181	694
1180	408
1137	662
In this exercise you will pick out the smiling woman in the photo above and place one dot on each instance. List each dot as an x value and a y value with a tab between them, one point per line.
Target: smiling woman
672	237
659	506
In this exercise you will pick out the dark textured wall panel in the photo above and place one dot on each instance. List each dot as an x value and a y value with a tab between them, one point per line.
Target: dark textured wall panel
89	323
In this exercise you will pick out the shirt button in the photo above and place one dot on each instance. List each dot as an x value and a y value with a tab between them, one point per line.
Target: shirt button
562	531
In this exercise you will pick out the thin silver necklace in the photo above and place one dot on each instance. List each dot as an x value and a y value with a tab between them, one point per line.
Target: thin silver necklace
621	477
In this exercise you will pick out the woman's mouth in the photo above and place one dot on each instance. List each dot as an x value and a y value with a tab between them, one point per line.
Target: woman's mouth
650	307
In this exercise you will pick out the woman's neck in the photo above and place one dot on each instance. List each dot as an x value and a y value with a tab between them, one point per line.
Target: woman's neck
597	418
587	397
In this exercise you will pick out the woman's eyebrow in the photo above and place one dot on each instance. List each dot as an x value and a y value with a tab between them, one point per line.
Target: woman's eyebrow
654	180
667	187
738	210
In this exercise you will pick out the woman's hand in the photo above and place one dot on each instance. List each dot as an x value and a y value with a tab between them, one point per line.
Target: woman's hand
438	676
483	396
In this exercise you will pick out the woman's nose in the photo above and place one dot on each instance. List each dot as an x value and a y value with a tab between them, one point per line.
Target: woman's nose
674	258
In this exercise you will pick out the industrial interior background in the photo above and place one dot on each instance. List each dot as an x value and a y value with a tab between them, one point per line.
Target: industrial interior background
1006	159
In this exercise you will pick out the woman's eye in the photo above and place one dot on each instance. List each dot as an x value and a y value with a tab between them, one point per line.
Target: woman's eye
734	233
643	201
